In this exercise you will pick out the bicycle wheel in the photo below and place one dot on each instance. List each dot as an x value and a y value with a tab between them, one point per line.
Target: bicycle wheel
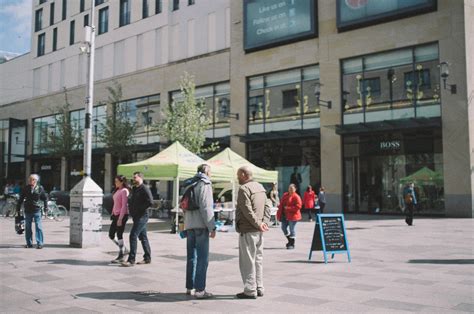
61	212
9	210
51	211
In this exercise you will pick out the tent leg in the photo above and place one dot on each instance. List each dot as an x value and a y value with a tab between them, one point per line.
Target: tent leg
176	194
234	203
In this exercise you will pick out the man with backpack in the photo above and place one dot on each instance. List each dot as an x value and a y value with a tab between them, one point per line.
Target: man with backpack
200	225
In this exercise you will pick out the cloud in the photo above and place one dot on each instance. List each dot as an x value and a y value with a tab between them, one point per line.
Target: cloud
20	12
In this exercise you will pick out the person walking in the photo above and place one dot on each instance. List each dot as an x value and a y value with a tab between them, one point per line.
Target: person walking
140	201
252	218
410	200
322	199
275	199
289	213
199	225
34	196
119	216
308	201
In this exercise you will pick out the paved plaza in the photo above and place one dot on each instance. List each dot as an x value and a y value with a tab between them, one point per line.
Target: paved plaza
395	268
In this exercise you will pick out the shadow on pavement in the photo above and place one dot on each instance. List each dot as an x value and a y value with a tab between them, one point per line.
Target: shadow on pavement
302	262
21	246
151	226
466	261
146	296
74	262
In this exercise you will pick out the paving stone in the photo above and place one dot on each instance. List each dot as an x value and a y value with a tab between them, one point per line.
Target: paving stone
364	287
43	278
412	281
465	307
394	305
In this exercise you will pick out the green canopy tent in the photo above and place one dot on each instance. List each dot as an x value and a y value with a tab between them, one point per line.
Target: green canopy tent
424	176
174	163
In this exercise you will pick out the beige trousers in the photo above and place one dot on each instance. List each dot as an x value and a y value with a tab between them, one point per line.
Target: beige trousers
251	261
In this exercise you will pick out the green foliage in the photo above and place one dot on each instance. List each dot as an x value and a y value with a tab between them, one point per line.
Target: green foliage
117	131
186	119
65	139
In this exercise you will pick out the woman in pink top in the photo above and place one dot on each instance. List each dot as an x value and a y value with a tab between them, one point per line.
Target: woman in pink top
119	215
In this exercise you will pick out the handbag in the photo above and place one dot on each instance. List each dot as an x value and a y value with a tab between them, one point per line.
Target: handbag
408	198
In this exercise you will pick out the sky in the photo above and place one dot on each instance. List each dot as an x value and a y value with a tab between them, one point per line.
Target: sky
15	25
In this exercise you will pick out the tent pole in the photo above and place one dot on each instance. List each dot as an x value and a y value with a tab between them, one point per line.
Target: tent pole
176	195
234	203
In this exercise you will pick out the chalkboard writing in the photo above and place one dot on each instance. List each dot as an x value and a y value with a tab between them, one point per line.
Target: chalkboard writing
330	236
333	233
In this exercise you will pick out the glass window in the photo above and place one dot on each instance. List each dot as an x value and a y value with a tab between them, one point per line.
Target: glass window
41	41
103	20
144	9
396	82
51	14
82	5
55	39
72	27
86	20
124	12
191	2
42	1
99	2
175	5
158	6
283	100
354	13
43	128
64	10
38	19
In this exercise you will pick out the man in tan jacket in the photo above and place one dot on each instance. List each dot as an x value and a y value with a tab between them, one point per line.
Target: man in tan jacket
252	218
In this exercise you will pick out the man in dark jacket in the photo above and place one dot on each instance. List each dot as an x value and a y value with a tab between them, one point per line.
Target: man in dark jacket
140	200
252	218
34	197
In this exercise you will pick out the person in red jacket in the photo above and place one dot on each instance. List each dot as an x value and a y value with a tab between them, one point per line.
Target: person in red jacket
308	201
289	212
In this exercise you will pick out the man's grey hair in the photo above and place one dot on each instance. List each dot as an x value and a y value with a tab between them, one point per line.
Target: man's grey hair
247	171
204	168
35	176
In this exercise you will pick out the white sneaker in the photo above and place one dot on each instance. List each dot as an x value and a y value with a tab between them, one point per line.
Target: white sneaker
189	291
203	294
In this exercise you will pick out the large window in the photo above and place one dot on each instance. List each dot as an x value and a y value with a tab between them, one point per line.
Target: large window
41	43
398	84
99	115
43	129
99	2
175	5
103	20
269	23
124	12
283	100
38	19
359	13
217	100
86	20
82	5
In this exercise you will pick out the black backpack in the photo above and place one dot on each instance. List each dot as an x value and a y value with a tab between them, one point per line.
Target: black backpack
188	200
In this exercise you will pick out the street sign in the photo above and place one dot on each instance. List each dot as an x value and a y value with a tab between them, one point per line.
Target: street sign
330	236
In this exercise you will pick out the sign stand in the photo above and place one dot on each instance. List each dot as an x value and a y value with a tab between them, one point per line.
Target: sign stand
330	236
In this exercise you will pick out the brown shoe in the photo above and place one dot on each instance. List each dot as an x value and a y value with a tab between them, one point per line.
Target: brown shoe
144	262
127	264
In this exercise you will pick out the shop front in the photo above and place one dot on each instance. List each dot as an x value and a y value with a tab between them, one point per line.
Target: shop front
378	165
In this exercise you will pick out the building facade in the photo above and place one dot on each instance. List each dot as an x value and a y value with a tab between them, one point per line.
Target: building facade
343	94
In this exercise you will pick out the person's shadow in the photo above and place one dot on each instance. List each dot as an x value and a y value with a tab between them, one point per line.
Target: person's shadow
146	296
74	262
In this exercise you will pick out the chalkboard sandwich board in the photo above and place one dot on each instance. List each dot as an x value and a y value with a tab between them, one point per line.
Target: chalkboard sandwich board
330	236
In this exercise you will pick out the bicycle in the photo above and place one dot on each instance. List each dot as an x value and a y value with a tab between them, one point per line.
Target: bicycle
55	211
9	208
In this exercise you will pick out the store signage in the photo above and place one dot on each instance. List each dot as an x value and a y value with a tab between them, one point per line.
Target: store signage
270	22
46	167
390	145
330	236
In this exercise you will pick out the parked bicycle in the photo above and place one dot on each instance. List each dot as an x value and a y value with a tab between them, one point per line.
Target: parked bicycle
9	207
55	211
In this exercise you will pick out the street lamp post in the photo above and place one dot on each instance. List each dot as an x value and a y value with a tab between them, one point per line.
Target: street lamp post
86	196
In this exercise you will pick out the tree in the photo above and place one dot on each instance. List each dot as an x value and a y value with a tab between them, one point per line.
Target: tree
185	120
117	131
64	139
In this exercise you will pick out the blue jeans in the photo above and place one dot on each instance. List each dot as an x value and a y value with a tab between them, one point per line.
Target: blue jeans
291	224
139	230
197	258
29	217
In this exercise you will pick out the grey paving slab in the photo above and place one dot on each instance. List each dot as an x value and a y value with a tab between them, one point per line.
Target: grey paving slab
412	281
394	305
362	287
43	278
298	299
465	307
300	285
